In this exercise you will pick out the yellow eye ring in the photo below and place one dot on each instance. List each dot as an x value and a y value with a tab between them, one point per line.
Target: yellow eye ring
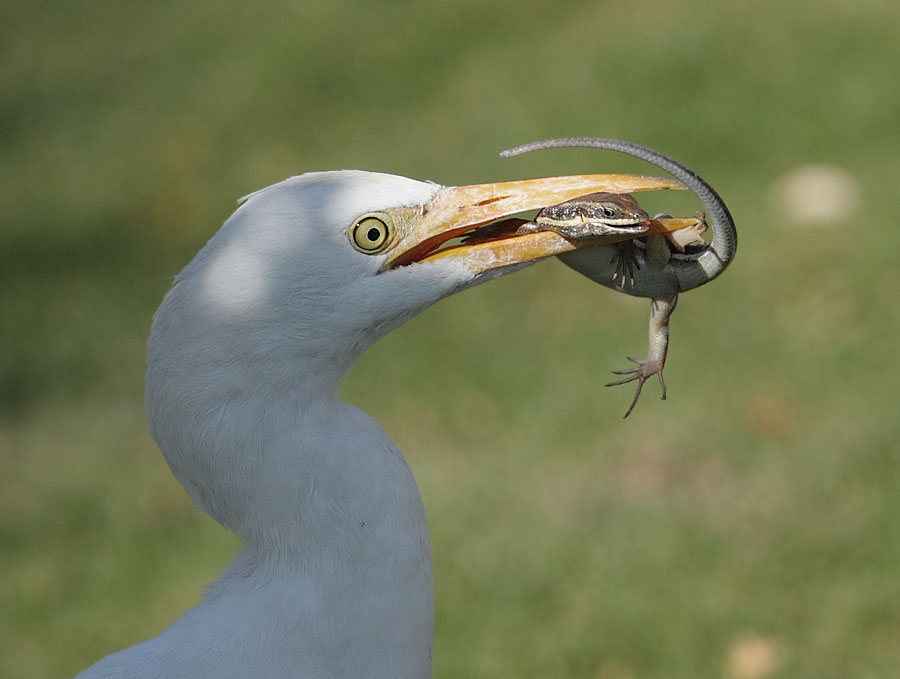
370	235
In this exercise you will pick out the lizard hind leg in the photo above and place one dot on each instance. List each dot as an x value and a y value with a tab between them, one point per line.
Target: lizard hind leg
661	309
691	236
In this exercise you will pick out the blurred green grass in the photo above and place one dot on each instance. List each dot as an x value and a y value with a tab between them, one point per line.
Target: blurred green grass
759	502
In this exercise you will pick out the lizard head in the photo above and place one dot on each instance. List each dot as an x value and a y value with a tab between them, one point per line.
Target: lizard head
596	214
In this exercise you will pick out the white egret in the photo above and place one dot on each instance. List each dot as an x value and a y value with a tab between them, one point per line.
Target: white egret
245	355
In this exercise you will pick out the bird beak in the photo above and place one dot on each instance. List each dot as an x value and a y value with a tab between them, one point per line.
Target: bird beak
456	211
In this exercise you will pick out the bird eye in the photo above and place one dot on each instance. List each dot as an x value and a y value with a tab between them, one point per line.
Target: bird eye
370	235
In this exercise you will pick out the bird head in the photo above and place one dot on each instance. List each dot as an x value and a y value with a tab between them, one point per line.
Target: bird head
321	265
307	273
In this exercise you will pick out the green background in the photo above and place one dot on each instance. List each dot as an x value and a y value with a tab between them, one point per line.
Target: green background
747	527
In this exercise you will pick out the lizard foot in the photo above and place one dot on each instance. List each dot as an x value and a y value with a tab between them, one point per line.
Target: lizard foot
644	370
626	263
692	235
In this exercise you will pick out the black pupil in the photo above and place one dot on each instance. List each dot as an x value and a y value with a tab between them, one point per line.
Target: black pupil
373	233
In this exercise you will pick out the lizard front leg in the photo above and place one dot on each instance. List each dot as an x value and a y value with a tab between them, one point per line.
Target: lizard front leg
661	309
626	261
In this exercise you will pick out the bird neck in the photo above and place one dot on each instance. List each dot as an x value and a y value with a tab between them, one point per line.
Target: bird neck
336	552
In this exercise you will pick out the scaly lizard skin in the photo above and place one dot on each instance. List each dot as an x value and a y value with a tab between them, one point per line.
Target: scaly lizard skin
662	272
594	215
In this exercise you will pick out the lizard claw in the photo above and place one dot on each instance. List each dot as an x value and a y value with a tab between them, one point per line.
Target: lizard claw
626	263
644	370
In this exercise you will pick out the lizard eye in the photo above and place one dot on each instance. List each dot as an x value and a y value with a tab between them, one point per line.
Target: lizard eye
608	212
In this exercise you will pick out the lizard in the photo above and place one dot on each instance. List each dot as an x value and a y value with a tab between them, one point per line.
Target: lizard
588	216
606	216
663	272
